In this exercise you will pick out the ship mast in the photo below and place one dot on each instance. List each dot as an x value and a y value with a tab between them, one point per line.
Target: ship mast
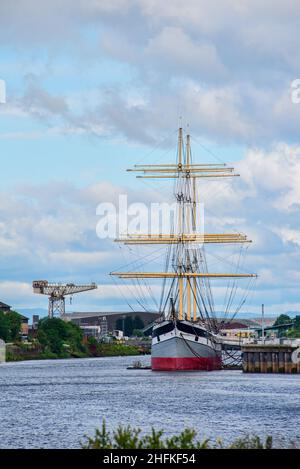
185	240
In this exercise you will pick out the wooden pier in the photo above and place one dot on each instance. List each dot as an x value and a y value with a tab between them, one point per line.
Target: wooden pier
271	358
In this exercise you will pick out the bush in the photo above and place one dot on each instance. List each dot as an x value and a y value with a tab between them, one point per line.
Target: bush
131	438
137	333
56	335
116	350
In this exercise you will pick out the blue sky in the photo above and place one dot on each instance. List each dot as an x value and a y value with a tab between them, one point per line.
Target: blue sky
94	87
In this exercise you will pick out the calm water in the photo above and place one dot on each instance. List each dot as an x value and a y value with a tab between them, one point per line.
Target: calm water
53	404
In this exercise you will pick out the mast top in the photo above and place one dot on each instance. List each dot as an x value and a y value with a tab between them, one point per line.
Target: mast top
184	167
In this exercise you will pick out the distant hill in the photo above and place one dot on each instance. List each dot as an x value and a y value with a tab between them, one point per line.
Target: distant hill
254	316
29	312
292	314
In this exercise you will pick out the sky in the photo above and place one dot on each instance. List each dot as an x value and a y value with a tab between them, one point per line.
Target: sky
93	87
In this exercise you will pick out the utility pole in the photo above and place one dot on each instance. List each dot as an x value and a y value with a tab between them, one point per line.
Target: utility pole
123	324
263	322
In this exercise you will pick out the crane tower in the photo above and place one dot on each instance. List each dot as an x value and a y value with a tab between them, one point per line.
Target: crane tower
57	293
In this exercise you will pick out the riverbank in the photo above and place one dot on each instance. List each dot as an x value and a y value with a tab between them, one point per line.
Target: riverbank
25	352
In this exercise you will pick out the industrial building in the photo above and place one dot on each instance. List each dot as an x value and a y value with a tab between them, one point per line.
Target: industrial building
242	328
107	321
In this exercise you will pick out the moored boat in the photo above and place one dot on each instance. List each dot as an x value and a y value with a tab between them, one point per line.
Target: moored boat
187	335
182	345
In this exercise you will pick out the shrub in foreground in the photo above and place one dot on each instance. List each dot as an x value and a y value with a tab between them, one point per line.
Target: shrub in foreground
126	437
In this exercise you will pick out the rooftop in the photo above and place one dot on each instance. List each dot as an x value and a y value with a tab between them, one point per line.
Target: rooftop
104	313
240	322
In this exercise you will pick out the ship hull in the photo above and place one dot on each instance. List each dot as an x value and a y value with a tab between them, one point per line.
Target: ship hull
185	364
180	346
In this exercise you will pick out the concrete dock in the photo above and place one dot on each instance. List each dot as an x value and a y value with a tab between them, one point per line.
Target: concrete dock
271	358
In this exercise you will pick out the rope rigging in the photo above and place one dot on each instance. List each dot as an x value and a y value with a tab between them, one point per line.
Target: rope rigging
186	256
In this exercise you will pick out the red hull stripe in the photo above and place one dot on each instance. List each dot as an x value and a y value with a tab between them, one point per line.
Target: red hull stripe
190	363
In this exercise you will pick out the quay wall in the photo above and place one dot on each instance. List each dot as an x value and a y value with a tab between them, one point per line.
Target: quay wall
271	359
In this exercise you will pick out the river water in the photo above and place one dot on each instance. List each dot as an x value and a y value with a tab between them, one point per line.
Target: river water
53	404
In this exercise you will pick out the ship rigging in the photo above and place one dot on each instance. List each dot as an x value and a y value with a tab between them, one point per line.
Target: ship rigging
187	303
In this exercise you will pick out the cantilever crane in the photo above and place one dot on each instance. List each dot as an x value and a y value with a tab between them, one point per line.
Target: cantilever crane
57	293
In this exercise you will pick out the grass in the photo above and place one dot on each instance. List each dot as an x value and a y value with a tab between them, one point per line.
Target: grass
117	350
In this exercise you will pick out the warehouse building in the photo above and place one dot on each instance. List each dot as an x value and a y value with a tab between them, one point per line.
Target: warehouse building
109	321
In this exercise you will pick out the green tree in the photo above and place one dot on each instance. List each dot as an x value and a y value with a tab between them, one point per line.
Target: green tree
137	333
15	325
297	322
4	327
10	326
54	334
120	324
294	333
138	323
128	326
51	334
282	319
74	336
125	325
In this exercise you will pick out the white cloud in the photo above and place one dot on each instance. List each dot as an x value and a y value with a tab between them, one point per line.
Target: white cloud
19	294
288	235
175	52
51	229
275	172
80	259
226	67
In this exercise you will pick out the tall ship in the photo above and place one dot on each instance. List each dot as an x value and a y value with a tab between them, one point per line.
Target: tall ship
187	334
